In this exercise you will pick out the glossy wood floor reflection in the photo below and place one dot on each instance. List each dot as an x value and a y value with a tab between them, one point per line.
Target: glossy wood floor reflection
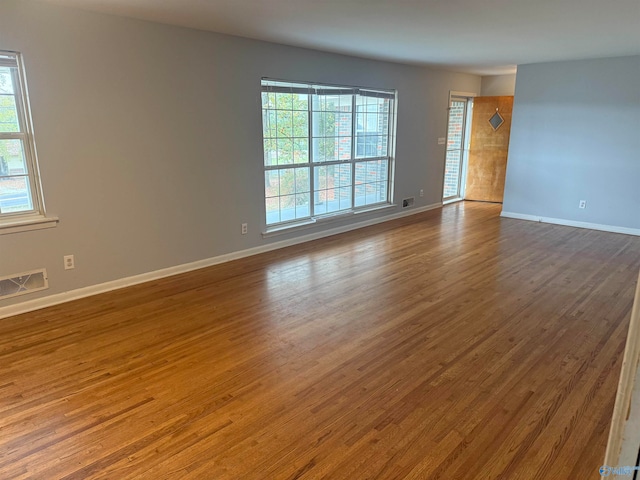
447	345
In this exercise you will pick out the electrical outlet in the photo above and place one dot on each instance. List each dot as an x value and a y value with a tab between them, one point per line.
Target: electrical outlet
69	262
421	192
583	204
244	229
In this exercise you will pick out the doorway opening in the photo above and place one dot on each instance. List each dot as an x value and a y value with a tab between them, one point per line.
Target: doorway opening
457	147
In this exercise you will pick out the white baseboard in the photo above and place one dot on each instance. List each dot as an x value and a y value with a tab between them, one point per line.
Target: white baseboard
58	298
572	223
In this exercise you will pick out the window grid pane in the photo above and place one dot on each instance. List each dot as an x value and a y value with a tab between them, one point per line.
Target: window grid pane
15	194
332	192
287	194
332	127
285	128
8	114
371	182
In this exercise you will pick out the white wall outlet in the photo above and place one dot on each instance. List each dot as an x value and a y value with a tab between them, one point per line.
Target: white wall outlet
582	204
422	192
244	229
442	140
69	262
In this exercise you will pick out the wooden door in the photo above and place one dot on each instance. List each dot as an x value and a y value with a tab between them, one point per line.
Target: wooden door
488	149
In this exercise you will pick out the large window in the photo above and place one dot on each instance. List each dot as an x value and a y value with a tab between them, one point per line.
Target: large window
19	184
327	149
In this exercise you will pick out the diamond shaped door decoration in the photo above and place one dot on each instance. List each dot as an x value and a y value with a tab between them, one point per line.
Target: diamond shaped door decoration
496	121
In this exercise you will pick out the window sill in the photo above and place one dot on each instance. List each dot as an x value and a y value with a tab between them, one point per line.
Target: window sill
375	208
309	222
27	223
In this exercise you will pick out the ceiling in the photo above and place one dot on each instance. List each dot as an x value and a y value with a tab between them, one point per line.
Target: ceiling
484	37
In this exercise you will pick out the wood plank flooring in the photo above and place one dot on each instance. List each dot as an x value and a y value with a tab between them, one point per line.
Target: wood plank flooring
452	344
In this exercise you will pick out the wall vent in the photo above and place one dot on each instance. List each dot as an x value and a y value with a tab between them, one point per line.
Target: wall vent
408	202
22	283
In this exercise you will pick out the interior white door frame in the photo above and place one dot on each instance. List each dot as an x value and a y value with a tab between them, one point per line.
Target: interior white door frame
626	384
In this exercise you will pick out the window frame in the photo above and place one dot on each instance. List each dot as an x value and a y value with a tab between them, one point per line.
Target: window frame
314	91
35	217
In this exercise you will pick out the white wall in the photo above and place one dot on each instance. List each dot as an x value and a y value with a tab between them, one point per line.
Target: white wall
575	135
498	85
149	138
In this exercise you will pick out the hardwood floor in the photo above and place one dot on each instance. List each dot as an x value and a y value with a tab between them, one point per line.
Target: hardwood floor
448	345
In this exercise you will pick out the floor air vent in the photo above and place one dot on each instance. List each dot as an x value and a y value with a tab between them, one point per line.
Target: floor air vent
22	283
408	202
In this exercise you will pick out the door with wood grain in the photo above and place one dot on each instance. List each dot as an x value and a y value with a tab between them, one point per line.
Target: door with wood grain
488	148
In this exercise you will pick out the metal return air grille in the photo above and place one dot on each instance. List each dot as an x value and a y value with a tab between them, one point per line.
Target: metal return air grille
20	284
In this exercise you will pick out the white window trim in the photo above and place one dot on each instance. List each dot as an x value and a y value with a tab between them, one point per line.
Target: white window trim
304	223
35	219
27	223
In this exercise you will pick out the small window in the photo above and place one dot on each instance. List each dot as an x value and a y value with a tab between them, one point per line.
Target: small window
327	150
20	194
